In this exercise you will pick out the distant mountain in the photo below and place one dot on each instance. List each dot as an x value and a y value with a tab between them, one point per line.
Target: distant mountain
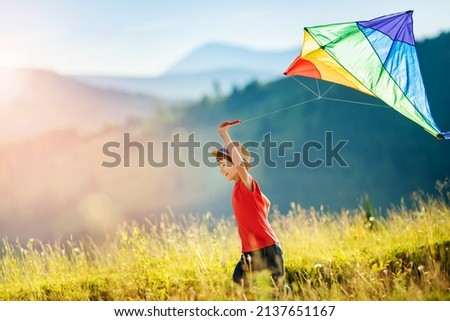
210	70
36	101
217	56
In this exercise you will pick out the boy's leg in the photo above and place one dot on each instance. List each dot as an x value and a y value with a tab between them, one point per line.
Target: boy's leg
239	274
239	277
275	263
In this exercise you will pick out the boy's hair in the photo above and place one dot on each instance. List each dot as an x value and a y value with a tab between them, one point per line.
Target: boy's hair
220	155
223	153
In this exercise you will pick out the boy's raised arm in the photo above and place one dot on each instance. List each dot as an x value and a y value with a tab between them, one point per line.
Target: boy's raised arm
223	131
235	155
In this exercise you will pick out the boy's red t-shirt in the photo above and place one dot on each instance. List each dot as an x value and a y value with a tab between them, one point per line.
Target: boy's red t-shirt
253	227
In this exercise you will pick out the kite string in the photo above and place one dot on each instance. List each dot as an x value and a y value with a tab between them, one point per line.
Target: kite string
291	106
301	83
354	102
326	92
279	110
318	96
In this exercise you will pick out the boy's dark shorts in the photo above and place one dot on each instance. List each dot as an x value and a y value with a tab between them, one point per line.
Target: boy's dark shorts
268	258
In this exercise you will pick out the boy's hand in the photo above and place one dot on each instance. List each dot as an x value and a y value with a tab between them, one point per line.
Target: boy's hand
223	130
228	124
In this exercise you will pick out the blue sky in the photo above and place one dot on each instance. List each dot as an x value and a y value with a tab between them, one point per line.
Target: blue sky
145	38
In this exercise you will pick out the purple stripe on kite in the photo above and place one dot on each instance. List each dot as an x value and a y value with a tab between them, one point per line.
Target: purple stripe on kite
398	26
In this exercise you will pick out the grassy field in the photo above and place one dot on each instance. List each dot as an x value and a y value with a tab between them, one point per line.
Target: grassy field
351	255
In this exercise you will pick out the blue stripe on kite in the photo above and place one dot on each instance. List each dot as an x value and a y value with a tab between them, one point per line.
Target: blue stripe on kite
379	41
401	62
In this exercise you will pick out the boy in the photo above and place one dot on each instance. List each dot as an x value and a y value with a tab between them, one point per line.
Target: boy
260	246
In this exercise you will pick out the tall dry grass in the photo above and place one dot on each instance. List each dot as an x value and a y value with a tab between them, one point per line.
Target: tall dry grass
351	255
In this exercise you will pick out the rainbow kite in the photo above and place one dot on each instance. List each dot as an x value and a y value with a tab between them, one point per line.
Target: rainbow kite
377	57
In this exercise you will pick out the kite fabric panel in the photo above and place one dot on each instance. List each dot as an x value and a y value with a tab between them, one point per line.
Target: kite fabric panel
377	57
